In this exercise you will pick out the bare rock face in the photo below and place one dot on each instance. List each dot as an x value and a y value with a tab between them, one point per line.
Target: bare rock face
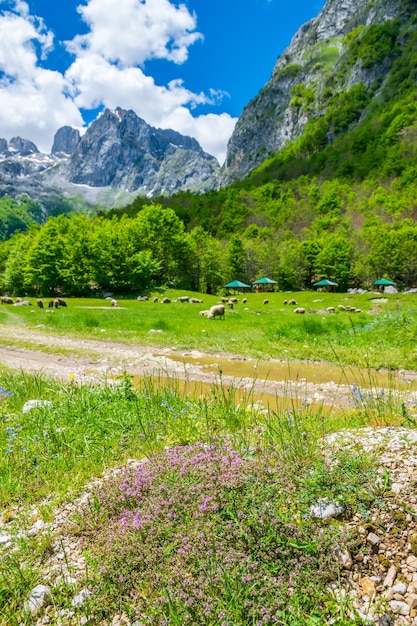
121	150
65	141
316	53
24	147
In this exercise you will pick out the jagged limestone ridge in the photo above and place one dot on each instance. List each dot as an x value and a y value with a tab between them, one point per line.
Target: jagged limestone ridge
274	117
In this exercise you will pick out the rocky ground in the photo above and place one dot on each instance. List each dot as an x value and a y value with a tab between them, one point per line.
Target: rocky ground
378	583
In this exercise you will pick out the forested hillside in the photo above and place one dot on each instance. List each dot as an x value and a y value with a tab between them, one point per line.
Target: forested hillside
340	201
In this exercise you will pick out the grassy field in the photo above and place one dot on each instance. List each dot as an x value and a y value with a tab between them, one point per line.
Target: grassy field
382	334
213	528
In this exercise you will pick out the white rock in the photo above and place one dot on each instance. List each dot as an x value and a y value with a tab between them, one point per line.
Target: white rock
324	509
36	527
373	539
399	608
38	597
400	588
390	577
81	598
33	404
5	538
343	557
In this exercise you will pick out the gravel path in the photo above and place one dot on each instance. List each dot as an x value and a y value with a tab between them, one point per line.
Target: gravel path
92	360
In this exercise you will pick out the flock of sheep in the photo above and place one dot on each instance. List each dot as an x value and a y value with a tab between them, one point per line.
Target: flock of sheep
218	310
52	304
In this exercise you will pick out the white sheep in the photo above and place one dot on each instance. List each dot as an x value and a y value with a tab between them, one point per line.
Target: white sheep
299	310
216	311
113	303
266	301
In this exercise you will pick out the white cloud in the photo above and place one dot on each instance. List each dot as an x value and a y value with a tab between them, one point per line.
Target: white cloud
130	32
107	70
32	99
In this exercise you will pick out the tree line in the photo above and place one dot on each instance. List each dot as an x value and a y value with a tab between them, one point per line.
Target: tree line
80	255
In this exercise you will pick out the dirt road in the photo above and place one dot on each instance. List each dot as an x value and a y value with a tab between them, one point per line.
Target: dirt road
89	360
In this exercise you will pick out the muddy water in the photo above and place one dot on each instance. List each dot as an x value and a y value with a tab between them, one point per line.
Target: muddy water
301	371
277	384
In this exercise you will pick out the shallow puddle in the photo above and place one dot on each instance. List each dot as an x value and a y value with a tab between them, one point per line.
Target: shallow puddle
299	371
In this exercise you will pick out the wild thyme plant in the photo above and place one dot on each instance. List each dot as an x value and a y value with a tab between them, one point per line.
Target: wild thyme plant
203	535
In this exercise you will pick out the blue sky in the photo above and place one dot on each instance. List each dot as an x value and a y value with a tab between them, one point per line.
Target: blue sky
191	66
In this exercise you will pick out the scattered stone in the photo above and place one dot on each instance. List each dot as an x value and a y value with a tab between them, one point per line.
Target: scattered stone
37	526
33	404
81	598
399	608
368	586
373	539
400	588
390	577
386	620
325	509
412	601
343	557
38	598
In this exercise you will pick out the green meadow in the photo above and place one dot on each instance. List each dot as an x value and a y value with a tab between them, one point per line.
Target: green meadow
382	334
213	527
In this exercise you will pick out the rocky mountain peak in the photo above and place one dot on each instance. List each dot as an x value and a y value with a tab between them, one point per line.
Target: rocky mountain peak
312	60
65	141
24	147
121	150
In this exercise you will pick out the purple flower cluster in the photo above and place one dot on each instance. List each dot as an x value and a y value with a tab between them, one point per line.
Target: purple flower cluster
204	535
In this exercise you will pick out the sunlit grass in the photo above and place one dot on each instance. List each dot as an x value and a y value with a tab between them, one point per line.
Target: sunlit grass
381	335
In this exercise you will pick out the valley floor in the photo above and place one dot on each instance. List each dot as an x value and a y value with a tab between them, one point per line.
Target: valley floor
90	360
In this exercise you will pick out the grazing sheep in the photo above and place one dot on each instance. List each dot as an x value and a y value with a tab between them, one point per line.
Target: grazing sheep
39	303
165	301
56	303
155	300
293	302
183	299
266	301
61	302
216	311
7	300
204	313
230	304
299	310
244	301
285	301
195	301
18	299
331	309
225	299
357	311
234	300
113	303
341	307
51	304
